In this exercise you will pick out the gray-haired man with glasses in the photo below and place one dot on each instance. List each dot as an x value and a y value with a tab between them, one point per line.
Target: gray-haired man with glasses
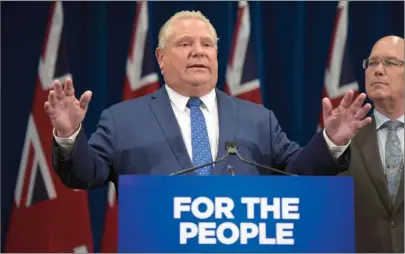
378	153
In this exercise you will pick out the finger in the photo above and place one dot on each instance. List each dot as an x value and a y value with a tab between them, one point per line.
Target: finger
347	99
58	89
48	107
360	124
85	99
357	103
52	98
363	111
69	90
326	108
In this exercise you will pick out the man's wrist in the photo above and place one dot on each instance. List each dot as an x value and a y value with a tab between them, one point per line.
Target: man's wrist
60	134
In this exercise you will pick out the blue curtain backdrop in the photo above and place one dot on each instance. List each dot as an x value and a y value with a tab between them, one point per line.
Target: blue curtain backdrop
291	41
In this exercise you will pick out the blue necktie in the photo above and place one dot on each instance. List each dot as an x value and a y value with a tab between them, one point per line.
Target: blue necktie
199	137
394	160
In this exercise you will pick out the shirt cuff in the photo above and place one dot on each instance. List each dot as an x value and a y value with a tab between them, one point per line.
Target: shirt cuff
66	143
335	150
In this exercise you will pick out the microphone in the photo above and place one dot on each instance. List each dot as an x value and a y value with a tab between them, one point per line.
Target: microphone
183	171
231	169
232	149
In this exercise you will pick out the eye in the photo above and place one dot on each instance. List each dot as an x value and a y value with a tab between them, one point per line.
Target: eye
373	63
185	44
391	63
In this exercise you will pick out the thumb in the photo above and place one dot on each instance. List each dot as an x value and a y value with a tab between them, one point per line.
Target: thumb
85	99
326	109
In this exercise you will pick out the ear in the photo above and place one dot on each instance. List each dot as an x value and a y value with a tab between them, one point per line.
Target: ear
159	57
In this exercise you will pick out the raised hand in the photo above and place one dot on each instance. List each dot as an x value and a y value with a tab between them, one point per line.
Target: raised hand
343	122
64	110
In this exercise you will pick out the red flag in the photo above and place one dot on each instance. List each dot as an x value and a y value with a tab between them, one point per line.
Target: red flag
339	76
242	79
46	216
141	79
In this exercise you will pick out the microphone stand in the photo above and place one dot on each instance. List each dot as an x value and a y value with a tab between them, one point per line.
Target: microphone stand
183	171
233	150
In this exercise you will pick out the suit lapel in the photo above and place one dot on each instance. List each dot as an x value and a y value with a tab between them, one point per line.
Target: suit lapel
161	107
227	127
367	140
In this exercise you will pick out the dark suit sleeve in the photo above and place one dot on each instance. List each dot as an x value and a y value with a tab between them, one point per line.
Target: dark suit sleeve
91	162
313	159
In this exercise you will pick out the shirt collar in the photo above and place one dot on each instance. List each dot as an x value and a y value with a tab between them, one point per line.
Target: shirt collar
180	101
380	119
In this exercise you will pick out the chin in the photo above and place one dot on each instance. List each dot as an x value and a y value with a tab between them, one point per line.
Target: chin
378	95
198	82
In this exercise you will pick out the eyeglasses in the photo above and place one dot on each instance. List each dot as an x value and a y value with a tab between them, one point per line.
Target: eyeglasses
391	62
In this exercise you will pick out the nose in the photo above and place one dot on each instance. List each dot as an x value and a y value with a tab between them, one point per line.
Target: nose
198	50
379	69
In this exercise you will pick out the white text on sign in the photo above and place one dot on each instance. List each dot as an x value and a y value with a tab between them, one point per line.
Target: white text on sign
228	232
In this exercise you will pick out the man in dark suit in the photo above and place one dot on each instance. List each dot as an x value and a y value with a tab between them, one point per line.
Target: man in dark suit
188	121
378	153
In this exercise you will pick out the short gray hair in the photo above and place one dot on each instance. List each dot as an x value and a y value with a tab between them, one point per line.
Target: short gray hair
165	30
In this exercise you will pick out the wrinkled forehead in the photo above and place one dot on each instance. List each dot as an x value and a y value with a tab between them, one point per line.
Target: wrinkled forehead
191	28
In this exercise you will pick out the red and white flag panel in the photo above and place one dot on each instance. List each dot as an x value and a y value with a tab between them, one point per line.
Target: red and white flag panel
141	76
242	79
46	216
141	79
339	75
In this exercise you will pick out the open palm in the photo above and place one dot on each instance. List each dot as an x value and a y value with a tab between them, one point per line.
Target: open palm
343	122
65	111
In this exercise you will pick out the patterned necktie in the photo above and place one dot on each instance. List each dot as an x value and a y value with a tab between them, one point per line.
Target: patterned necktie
199	137
394	160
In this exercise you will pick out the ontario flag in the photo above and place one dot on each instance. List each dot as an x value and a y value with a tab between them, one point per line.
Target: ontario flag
141	79
46	216
242	79
339	75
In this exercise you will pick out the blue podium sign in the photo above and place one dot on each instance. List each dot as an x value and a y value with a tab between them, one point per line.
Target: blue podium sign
223	214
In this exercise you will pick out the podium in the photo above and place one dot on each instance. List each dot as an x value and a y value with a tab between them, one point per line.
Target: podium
235	214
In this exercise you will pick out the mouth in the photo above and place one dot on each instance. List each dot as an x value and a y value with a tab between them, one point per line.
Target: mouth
198	66
378	83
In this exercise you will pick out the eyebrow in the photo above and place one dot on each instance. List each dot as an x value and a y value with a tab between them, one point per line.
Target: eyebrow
384	57
186	37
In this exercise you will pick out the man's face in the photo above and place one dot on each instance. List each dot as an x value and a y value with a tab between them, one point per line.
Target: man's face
385	80
189	58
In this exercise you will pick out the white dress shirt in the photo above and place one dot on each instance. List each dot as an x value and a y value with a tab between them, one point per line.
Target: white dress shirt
380	119
210	111
182	113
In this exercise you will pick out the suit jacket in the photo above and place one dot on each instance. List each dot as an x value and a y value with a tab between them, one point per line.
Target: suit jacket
379	222
142	136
